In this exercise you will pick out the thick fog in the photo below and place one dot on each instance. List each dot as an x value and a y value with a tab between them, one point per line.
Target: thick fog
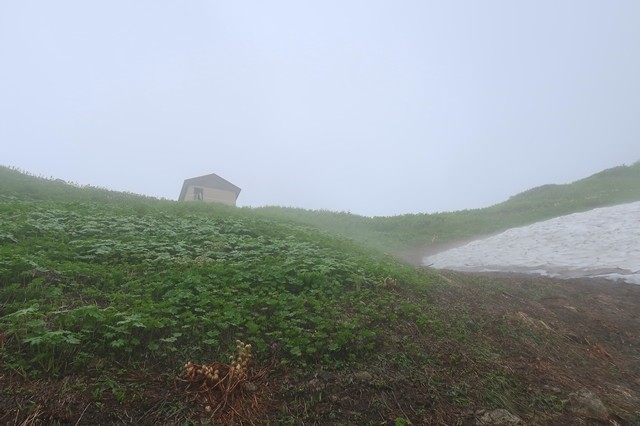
373	107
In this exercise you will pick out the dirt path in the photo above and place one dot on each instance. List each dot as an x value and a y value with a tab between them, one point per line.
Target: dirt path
584	335
592	327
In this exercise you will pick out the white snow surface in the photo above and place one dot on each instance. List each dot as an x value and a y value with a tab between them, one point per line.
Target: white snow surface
600	243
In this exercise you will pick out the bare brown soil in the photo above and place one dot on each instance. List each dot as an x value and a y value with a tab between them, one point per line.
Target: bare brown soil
584	335
518	342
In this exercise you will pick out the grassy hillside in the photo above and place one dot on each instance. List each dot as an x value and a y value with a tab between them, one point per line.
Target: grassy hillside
97	281
114	274
398	233
120	309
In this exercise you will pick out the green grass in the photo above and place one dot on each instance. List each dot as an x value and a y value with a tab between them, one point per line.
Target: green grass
391	234
88	276
104	286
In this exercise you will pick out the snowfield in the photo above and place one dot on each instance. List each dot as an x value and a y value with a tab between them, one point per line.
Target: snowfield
603	242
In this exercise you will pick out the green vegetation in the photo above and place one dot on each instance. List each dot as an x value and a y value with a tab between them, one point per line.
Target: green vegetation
91	278
94	280
398	233
106	296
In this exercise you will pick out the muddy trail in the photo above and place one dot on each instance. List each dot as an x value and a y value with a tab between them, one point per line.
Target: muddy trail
565	336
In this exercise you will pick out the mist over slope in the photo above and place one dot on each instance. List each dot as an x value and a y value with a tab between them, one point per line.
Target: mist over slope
434	231
404	235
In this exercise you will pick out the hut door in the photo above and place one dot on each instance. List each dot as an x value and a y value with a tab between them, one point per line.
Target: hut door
198	194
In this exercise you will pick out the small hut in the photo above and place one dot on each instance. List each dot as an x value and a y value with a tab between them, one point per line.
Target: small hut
209	188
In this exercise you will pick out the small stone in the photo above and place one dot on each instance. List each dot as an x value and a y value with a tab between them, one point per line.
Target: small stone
250	387
315	384
552	389
499	417
364	376
585	403
326	375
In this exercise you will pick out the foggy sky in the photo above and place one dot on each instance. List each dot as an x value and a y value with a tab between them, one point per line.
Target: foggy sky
372	107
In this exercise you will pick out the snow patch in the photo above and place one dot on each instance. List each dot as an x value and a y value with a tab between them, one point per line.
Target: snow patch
600	243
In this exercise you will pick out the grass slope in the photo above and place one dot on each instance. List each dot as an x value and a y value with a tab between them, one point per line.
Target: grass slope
398	234
105	296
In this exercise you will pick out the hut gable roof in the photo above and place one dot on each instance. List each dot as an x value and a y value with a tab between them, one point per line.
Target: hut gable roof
209	181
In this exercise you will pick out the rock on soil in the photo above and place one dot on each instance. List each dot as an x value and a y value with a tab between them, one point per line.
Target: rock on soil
363	376
498	417
586	404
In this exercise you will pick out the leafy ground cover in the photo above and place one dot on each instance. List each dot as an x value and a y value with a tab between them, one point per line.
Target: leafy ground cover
111	305
81	282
